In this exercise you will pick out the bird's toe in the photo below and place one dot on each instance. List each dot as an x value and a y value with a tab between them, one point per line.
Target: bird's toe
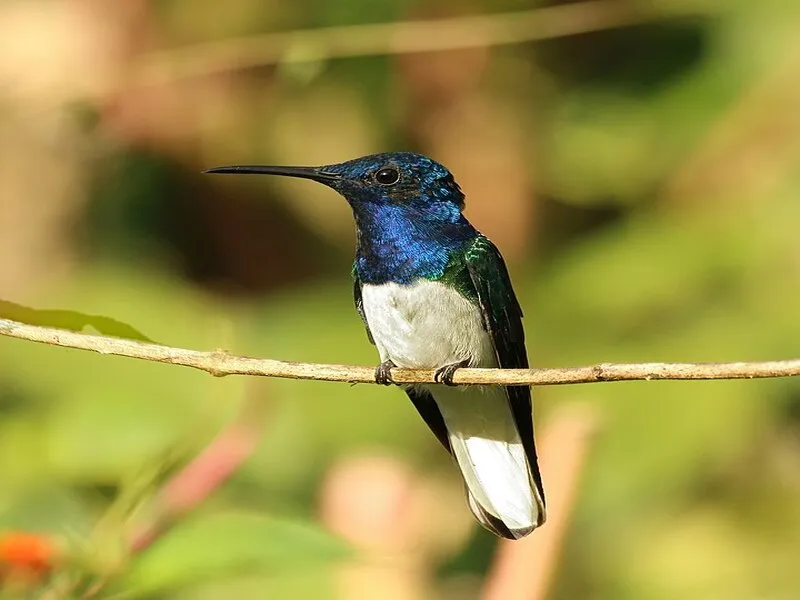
445	374
383	373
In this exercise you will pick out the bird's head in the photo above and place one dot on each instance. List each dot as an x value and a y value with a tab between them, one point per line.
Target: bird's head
401	179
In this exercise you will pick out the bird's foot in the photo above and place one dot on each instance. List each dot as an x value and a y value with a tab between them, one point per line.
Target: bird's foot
383	373
445	374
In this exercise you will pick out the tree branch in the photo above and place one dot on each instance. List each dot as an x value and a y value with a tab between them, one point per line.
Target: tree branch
220	363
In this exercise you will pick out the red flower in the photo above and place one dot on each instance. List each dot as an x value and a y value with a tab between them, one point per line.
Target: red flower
26	553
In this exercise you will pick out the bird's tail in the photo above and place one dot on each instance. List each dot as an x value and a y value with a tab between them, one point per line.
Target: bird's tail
501	479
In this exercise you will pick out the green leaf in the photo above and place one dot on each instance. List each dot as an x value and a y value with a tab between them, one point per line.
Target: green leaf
216	546
69	319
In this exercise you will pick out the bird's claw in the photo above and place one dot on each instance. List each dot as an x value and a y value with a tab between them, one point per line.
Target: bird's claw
383	373
445	374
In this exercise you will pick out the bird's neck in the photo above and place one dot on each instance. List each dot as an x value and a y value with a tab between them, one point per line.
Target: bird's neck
401	244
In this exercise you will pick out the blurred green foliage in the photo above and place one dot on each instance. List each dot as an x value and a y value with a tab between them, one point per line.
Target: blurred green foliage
241	543
659	186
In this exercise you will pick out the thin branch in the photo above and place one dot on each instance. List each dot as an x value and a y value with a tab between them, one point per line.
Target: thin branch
220	363
309	45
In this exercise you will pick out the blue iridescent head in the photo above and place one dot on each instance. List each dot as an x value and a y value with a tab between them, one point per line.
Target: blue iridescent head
407	209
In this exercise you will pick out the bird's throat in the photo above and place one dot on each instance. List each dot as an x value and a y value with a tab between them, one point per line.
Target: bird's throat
399	244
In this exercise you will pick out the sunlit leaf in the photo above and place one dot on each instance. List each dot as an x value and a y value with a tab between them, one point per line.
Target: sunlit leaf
69	319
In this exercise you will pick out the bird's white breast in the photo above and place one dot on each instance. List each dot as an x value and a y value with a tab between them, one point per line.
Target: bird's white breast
426	324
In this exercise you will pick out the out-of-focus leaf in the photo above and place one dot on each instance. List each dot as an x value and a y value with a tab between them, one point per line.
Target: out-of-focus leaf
213	547
69	319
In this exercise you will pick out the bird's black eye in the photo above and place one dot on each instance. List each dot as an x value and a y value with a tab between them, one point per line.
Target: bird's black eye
387	176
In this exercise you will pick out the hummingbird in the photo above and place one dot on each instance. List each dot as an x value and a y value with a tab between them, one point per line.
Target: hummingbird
434	293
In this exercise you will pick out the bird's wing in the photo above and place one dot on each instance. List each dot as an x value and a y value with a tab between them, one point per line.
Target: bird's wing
502	317
429	411
360	304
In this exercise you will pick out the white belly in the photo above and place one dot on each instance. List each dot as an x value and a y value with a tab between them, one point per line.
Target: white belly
429	325
426	324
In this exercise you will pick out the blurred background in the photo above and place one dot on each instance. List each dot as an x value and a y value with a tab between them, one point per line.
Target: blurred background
637	162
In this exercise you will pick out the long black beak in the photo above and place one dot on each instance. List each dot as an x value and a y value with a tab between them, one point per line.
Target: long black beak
313	173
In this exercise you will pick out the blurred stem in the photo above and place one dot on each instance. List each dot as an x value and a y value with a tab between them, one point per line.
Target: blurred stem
196	481
309	45
219	363
564	448
201	477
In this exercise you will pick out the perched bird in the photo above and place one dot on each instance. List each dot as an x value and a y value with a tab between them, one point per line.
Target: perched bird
434	293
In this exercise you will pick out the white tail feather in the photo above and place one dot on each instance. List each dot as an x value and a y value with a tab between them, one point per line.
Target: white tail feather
489	452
